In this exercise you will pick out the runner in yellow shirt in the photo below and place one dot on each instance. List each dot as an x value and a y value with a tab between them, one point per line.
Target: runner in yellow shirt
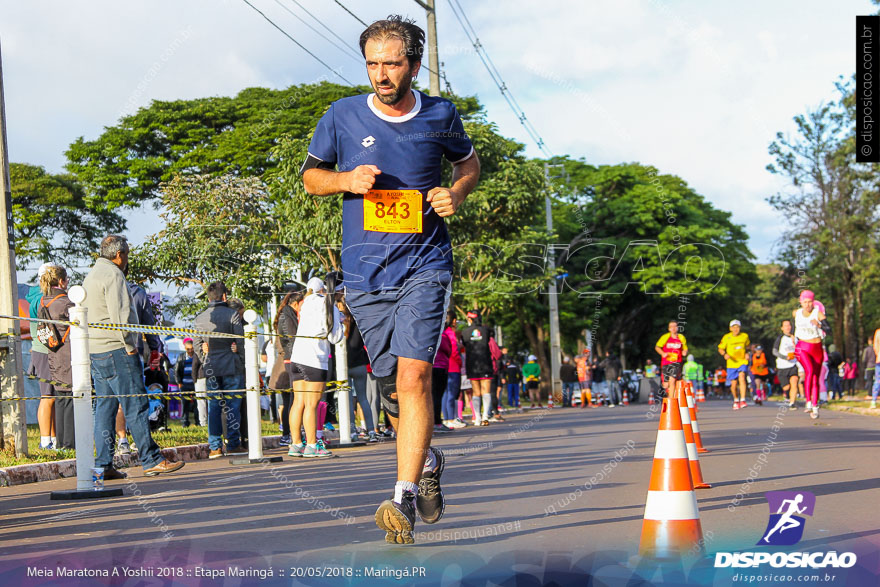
733	348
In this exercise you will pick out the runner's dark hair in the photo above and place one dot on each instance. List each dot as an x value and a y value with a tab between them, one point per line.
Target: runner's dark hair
330	282
397	27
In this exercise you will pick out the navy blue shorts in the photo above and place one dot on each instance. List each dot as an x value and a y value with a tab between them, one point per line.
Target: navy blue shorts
404	322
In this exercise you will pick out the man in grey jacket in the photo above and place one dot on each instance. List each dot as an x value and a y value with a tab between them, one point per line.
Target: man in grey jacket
116	366
220	367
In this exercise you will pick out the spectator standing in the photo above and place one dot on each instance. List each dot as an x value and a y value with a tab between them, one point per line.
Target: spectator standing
569	376
453	375
869	361
220	365
585	378
117	370
612	367
834	384
286	324
53	284
440	380
531	372
850	374
358	377
513	379
39	367
321	321
184	375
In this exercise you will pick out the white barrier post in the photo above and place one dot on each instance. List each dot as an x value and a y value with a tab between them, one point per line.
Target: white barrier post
83	418
343	397
252	384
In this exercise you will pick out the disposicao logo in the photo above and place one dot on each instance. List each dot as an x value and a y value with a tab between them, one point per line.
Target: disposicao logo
785	528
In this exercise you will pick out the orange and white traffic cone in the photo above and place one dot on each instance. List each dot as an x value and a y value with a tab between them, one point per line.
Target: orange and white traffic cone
701	397
650	397
693	457
625	398
671	526
695	426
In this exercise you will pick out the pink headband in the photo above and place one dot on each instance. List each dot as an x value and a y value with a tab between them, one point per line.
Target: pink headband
807	295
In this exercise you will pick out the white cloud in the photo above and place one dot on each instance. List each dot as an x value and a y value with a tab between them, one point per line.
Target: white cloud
695	89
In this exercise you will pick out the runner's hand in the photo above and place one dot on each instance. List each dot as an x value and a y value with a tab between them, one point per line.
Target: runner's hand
444	201
362	178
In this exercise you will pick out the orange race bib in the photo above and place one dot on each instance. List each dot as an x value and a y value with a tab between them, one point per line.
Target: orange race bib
393	211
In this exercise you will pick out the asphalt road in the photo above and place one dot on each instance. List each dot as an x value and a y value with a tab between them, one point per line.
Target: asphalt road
548	497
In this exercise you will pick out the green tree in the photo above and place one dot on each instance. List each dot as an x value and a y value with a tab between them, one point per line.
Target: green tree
831	211
216	228
128	163
53	218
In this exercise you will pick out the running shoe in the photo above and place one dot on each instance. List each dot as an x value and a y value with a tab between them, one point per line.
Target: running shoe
484	422
318	452
735	405
743	405
329	427
397	519
122	447
373	437
496	419
296	450
284	440
430	502
792	407
815	413
610	405
388	433
216	453
873	405
441	429
456	424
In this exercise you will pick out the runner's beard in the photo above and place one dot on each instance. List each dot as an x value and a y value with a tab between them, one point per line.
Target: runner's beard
394	97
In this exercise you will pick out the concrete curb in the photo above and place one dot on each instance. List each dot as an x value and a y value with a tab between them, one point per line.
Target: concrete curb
36	472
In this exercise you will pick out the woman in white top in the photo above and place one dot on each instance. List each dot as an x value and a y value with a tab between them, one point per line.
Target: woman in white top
320	325
786	365
808	349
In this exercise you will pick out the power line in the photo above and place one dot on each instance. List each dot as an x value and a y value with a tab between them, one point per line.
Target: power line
496	76
300	45
351	13
344	48
331	31
357	18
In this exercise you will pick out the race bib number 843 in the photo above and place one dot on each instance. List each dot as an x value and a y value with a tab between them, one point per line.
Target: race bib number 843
393	211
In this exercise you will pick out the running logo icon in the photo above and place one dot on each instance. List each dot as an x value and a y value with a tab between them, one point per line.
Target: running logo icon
368	141
786	525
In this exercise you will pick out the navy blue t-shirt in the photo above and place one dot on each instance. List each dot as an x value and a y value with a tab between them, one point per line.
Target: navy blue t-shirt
407	150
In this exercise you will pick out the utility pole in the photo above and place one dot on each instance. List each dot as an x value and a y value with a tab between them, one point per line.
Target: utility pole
555	341
12	420
433	59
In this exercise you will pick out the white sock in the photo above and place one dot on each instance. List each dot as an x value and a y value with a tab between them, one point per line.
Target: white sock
487	405
475	404
430	461
402	486
44	441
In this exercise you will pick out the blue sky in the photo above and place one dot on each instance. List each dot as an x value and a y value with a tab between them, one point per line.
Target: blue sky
697	89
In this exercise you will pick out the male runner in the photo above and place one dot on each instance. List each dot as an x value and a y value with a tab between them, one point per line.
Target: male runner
387	149
672	347
733	347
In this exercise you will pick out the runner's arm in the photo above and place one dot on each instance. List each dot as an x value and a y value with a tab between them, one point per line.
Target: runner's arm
465	175
320	181
776	352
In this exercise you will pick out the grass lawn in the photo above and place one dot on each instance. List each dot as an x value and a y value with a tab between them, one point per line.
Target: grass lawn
177	435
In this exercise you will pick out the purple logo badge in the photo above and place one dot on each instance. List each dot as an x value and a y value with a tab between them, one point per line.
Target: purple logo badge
786	525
